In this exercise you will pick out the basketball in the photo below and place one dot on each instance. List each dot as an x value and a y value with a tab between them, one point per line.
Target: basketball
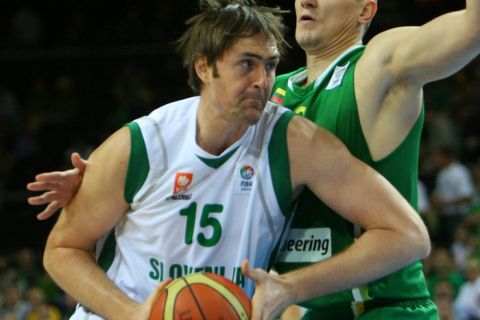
202	296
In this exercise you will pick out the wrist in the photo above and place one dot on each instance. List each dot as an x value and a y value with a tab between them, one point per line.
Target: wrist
290	294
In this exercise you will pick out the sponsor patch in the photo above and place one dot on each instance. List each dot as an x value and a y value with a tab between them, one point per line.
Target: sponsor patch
306	245
182	182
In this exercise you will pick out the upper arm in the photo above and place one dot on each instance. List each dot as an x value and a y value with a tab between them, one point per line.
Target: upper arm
99	202
431	52
351	188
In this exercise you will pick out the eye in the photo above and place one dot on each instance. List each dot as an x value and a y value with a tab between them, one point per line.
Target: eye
271	66
247	64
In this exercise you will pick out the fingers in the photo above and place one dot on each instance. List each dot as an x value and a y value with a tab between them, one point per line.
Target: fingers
48	211
44	198
41	185
48	176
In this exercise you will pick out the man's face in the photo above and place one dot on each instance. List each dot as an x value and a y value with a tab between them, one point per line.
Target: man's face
322	23
240	86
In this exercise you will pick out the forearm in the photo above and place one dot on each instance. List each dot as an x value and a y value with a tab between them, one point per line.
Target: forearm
76	272
454	35
472	20
473	13
375	254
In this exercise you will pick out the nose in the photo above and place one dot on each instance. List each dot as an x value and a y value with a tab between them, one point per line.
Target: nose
307	3
262	78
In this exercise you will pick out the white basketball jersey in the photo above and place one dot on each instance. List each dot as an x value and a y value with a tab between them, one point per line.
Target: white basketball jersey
192	211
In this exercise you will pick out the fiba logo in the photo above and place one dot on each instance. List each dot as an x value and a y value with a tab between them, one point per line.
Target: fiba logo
246	179
247	172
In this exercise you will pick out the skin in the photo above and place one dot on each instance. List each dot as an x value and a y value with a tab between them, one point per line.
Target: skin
230	102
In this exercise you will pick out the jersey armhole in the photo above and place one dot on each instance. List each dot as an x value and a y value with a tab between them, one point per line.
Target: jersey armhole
138	165
279	164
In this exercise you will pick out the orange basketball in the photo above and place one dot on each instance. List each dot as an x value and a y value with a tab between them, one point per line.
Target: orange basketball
202	296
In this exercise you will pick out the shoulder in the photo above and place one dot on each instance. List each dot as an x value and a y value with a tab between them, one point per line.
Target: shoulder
114	150
171	112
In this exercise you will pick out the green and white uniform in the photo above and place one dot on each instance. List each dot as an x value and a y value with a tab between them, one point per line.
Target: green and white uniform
330	102
192	211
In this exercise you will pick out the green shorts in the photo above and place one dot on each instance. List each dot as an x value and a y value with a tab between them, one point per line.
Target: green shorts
422	309
418	309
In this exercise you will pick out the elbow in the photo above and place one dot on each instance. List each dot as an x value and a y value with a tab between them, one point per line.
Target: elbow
425	248
51	256
48	257
419	239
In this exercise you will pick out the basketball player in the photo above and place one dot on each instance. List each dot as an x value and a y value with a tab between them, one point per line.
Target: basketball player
208	182
369	96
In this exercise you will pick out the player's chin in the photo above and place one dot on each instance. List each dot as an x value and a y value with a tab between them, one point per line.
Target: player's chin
253	111
254	104
252	118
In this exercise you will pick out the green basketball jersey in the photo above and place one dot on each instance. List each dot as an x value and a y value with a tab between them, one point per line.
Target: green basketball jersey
317	231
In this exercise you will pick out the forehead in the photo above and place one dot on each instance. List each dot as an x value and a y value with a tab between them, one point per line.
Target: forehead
259	45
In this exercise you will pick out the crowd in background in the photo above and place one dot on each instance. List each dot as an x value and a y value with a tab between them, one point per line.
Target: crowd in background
70	76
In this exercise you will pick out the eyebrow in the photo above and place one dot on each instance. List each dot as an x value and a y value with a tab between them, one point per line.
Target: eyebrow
259	57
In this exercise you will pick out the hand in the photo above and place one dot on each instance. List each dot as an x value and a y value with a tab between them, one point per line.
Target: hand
143	310
271	293
59	187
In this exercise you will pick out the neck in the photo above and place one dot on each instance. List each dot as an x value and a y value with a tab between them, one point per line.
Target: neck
215	134
318	60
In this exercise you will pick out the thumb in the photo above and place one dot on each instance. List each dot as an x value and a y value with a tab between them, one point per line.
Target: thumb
78	162
251	273
156	293
256	312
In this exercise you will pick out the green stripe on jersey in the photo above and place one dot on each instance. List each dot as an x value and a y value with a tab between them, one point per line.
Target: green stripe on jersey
217	162
279	164
138	165
280	171
105	259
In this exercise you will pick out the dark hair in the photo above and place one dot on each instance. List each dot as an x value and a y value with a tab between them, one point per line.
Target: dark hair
220	24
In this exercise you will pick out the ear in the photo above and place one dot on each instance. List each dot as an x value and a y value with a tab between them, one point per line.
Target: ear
202	69
368	11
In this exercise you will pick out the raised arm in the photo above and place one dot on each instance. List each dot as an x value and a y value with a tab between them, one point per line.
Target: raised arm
96	208
394	235
431	52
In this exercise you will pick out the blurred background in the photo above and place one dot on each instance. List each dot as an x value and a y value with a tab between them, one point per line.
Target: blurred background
72	72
